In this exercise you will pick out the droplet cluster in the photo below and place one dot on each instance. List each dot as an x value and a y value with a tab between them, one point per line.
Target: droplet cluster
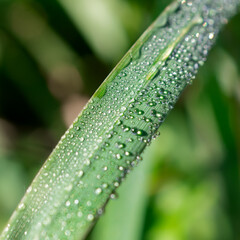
105	142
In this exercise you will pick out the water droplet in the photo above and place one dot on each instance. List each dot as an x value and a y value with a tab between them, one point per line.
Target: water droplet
120	168
139	112
80	173
128	154
118	156
138	132
67	233
116	184
113	196
109	136
126	129
119	122
120	145
21	206
105	168
105	185
87	162
98	191
29	189
81	139
90	217
100	211
151	104
211	35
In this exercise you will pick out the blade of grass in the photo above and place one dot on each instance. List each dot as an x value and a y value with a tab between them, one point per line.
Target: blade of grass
106	140
55	12
131	205
15	70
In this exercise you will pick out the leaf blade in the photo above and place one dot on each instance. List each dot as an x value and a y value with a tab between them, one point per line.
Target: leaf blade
106	140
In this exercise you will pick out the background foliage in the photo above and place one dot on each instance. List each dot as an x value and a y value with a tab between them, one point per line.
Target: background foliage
53	56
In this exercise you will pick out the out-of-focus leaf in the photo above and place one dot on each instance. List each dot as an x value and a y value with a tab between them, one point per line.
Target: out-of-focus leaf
124	218
100	26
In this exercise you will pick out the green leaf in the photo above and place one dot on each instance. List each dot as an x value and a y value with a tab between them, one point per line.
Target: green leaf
131	203
106	140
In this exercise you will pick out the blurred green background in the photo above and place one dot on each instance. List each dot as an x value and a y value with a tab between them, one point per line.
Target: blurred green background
53	56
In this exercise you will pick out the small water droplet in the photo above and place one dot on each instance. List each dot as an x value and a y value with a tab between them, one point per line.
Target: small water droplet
98	191
120	145
67	233
113	196
21	206
120	168
138	132
29	189
116	184
105	185
80	173
118	156
211	35
90	217
87	162
126	129
105	168
139	112
100	211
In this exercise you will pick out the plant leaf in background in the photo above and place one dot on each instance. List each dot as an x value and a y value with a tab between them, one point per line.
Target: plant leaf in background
105	142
